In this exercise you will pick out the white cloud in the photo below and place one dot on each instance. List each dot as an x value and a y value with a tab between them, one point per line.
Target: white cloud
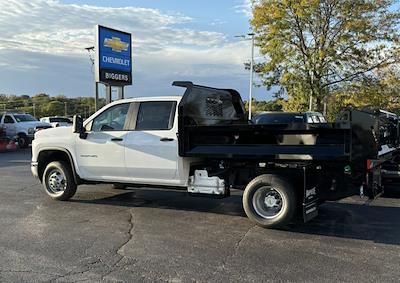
245	8
41	40
52	27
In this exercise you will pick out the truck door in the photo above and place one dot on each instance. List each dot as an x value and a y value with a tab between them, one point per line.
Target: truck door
151	148
10	126
101	156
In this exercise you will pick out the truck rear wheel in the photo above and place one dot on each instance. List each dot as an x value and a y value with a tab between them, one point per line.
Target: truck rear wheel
269	201
58	180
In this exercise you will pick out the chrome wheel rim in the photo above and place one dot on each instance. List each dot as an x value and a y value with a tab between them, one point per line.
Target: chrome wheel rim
56	182
268	203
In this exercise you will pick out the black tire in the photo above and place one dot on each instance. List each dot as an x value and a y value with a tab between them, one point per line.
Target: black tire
54	172
269	201
23	141
118	186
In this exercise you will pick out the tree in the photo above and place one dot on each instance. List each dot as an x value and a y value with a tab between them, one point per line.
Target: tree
55	108
381	90
315	47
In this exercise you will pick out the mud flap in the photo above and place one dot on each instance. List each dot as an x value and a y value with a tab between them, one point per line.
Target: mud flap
374	187
310	198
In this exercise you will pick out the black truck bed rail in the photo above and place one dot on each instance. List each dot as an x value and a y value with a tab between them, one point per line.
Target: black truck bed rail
268	142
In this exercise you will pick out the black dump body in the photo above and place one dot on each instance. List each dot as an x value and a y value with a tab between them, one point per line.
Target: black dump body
213	125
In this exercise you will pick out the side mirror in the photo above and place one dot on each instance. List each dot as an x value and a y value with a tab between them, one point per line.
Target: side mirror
77	126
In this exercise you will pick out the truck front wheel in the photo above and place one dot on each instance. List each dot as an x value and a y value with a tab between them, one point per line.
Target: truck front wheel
269	201
23	141
58	180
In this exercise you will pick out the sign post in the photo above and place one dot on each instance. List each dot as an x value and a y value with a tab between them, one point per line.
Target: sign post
113	60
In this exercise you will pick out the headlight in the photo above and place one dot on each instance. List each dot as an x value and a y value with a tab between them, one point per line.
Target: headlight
31	131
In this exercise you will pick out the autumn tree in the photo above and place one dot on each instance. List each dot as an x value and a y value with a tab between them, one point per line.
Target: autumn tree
317	47
381	89
262	106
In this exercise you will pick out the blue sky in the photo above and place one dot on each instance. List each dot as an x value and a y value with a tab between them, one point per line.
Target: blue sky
42	44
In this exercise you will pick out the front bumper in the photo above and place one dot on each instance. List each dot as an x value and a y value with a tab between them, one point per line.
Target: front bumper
34	169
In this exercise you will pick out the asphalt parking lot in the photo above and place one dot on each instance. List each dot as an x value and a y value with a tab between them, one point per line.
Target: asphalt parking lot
149	235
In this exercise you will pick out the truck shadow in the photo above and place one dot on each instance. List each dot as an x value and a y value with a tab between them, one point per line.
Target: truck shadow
172	199
379	224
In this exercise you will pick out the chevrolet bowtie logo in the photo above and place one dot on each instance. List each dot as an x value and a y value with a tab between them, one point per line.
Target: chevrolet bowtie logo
116	44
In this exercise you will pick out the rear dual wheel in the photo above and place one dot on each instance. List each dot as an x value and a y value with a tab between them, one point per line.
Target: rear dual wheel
269	201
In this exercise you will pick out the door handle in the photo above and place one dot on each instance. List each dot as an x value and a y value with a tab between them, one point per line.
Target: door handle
166	139
117	139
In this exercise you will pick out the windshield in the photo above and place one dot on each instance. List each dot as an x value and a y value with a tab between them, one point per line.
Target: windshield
24	118
60	120
278	118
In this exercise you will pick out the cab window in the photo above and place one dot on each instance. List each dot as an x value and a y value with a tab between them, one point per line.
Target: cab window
112	119
156	115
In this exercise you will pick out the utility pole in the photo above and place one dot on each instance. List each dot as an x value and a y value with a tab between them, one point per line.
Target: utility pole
250	36
65	108
108	94
120	92
96	96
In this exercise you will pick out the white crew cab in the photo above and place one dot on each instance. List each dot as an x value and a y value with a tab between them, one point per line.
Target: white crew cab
128	141
22	126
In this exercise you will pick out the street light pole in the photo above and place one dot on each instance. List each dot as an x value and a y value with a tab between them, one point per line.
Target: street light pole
250	36
251	74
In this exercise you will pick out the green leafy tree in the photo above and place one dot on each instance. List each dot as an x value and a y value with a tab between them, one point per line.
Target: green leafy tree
42	105
317	47
55	108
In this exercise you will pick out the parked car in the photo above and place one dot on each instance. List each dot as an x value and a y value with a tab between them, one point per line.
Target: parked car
288	118
57	121
21	126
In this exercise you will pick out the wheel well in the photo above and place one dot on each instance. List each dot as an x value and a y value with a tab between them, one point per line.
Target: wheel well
21	134
47	156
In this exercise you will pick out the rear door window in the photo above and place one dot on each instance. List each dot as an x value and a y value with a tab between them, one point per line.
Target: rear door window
156	115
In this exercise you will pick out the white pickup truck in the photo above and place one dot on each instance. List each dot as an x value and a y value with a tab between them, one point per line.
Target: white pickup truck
21	126
203	143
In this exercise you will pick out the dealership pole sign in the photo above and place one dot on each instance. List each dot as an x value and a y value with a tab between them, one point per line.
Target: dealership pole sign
113	62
